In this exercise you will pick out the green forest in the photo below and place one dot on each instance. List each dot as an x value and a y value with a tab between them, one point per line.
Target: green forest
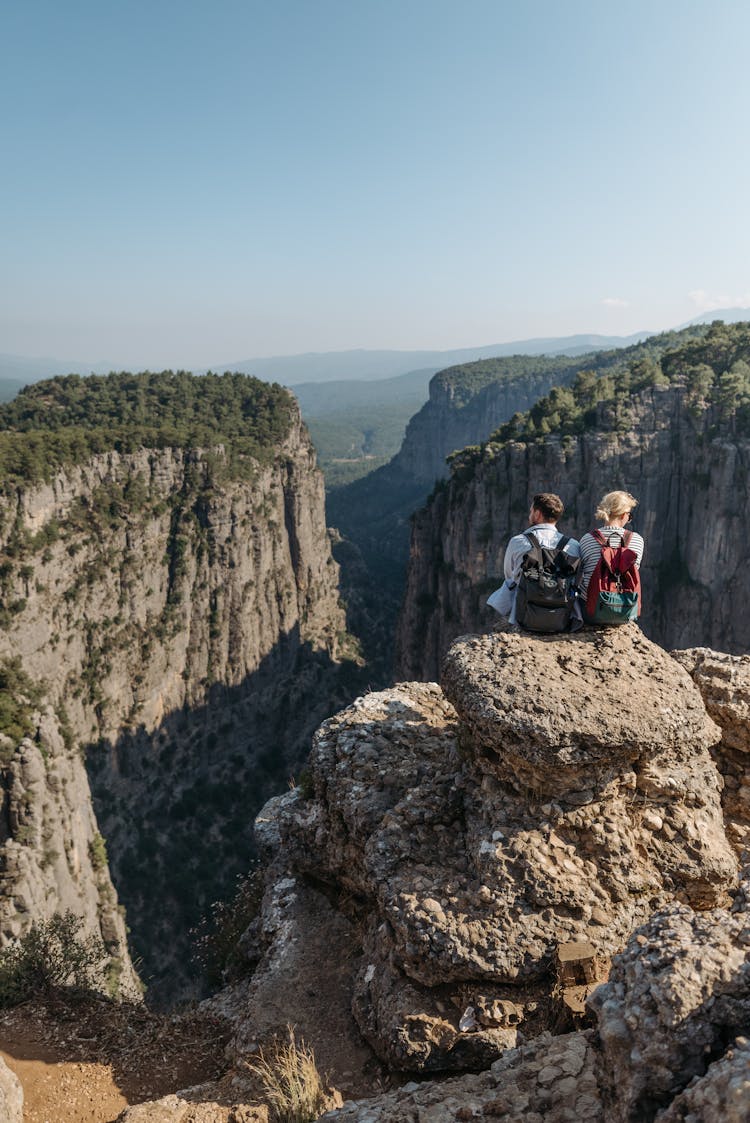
712	364
66	419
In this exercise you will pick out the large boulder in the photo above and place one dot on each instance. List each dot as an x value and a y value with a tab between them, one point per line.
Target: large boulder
560	715
560	794
677	996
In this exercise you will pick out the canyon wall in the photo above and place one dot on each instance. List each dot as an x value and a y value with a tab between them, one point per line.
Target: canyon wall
692	485
187	631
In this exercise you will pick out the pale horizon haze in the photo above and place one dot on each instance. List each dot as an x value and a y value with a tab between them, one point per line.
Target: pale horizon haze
189	184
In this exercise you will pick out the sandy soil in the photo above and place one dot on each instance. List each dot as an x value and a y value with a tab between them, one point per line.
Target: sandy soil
84	1061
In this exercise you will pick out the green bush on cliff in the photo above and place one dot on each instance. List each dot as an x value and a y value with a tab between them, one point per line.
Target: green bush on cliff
65	420
713	367
52	954
19	697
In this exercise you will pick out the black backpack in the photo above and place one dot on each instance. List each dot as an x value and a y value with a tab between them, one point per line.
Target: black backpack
544	597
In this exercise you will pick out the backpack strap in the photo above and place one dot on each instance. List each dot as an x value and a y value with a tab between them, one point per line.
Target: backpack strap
599	537
536	549
627	535
562	543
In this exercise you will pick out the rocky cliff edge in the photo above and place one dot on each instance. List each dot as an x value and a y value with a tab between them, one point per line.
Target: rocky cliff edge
459	867
553	795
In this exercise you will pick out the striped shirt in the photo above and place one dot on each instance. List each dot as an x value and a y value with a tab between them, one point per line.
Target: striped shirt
591	551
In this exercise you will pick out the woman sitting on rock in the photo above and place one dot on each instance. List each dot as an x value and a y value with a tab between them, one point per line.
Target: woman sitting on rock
610	560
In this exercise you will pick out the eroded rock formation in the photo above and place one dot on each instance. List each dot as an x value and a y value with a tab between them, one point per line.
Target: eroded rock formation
568	794
724	683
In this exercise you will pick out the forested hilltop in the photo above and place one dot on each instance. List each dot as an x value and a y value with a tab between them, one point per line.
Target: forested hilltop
167	588
673	430
713	369
65	420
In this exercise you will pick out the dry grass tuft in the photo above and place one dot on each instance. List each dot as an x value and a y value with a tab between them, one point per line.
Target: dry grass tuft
292	1086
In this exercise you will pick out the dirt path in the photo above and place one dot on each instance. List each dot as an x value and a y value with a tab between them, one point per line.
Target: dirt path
85	1061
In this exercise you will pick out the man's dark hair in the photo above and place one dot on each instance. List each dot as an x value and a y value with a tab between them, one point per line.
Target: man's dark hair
550	505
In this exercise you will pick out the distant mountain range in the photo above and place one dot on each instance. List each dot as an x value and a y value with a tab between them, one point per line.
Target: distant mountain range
350	366
360	366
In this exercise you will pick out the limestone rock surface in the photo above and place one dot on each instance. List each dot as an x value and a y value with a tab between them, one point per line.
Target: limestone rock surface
190	623
476	840
564	711
723	1093
724	683
52	856
11	1095
549	1080
193	1106
676	996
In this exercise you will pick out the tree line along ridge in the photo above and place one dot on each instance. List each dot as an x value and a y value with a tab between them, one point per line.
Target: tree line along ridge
65	420
713	369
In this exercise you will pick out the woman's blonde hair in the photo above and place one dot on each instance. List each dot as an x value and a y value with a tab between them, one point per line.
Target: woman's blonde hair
614	504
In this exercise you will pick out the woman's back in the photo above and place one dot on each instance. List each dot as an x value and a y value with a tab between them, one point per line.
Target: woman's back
591	551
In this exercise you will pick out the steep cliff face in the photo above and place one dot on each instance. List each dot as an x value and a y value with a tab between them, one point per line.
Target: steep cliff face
467	403
186	624
692	486
460	412
52	856
146	579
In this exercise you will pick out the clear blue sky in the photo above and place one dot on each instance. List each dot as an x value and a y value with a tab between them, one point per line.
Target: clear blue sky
186	182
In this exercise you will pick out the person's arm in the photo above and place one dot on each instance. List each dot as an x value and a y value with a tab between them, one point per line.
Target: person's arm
590	554
637	544
517	547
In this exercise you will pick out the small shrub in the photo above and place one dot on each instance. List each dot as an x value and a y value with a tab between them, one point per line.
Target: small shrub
98	852
292	1085
53	953
217	936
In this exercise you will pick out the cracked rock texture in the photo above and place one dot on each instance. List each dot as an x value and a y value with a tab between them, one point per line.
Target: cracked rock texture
549	1080
568	795
724	683
722	1094
676	997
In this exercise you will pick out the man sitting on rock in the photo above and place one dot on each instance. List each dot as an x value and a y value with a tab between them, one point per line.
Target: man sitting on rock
546	509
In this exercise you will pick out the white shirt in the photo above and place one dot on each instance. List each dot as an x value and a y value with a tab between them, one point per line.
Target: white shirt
503	600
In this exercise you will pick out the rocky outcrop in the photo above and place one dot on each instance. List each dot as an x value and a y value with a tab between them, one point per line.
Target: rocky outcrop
677	997
11	1095
187	618
724	683
669	1044
459	539
561	792
549	1080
